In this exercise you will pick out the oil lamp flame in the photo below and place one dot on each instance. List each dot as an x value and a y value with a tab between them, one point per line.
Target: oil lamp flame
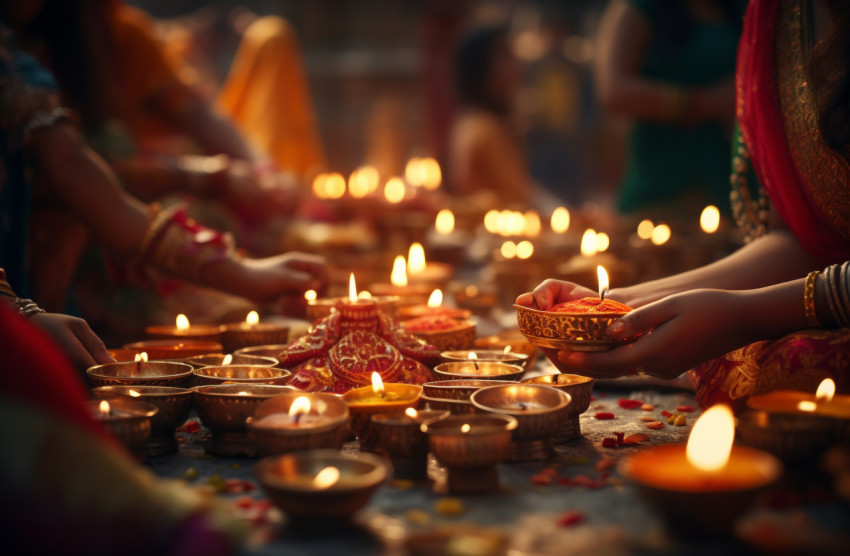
532	224
711	439
436	299
299	407
410	412
560	220
445	222
602	275
602	242
807	406
464	428
826	390
660	234
143	357
709	220
472	355
508	249
399	274
394	191
377	384
644	229
589	243
352	289
432	176
326	478
252	318
524	249
133	393
310	295
415	259
507	350
491	221
182	322
228	359
104	408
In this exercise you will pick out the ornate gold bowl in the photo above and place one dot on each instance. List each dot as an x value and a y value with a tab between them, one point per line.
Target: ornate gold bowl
243	374
216	360
271	440
573	331
579	389
140	373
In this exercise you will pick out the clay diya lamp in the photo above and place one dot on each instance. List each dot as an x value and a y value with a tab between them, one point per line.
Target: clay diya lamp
376	399
221	360
402	440
479	370
399	286
174	349
252	332
243	374
539	411
294	421
498	355
470	447
140	373
224	408
579	389
127	420
444	333
434	308
702	488
182	329
316	488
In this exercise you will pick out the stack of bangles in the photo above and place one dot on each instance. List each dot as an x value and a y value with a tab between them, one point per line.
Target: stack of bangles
837	289
24	307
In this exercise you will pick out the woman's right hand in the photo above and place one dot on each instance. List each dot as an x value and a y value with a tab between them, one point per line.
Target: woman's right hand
551	292
287	275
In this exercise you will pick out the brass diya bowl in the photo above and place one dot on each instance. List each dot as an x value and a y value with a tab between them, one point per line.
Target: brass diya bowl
140	373
497	355
123	355
243	374
240	335
196	332
224	408
461	336
173	405
481	370
289	481
461	389
217	359
573	331
128	420
174	349
539	411
579	389
470	446
325	426
404	443
793	438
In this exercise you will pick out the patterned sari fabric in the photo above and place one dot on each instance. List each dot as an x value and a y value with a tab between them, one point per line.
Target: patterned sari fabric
807	183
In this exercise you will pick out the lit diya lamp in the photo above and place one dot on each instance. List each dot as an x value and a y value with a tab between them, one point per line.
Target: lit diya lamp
292	422
182	329
316	487
470	446
473	368
797	427
127	420
403	441
420	271
320	307
174	349
434	308
376	399
505	355
445	241
399	286
243	374
222	359
578	325
512	341
702	488
173	405
140	372
252	332
444	333
579	388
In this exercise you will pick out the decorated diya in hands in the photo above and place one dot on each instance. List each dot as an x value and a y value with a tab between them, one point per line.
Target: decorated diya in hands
444	332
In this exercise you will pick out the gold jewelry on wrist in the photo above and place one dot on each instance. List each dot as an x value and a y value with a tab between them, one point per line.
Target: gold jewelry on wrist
809	300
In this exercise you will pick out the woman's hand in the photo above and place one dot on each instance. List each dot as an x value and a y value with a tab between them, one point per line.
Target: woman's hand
678	333
290	274
75	338
551	292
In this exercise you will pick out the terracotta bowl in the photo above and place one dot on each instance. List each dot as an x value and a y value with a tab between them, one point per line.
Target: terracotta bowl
271	439
573	331
243	374
142	373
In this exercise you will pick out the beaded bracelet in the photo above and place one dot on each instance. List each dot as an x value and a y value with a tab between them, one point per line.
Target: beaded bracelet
809	300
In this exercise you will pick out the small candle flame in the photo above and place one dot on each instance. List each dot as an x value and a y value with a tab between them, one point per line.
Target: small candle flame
358	184
133	393
507	350
394	191
589	243
807	406
300	406
445	222
399	274
368	177
364	295
491	221
432	176
413	172
660	234
377	384
644	229
326	478
252	318
436	299
532	224
602	276
709	220
524	249
711	439
826	390
508	249
560	220
472	356
415	259
319	189
352	288
227	360
141	357
310	295
410	412
104	408
182	322
334	186
602	242
464	428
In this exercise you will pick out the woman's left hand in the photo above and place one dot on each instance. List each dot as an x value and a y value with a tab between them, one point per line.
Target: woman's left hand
677	333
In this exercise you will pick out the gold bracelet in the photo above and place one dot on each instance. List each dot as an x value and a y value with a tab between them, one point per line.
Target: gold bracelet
809	300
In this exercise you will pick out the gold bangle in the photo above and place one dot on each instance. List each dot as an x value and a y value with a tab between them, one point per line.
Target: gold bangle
809	300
